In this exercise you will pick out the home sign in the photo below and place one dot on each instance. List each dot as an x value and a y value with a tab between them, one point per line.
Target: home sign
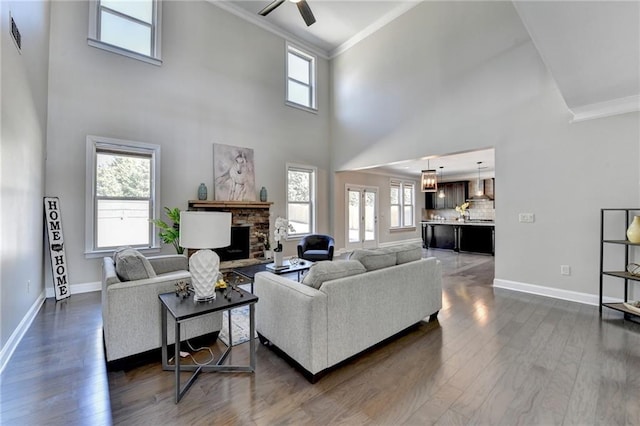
53	222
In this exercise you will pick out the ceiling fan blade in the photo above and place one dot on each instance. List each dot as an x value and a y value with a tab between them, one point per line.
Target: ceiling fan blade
306	13
267	10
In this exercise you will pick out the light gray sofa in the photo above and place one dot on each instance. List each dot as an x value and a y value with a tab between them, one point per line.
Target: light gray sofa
131	309
320	327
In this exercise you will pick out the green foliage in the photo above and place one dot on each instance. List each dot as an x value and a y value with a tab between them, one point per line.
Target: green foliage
299	186
121	176
170	234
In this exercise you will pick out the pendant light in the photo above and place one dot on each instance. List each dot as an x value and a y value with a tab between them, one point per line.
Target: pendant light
479	185
429	180
441	193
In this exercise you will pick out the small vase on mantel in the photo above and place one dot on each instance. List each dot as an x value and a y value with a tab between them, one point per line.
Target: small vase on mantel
263	194
633	231
202	192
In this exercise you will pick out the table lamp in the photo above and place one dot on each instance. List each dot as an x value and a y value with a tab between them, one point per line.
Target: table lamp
204	231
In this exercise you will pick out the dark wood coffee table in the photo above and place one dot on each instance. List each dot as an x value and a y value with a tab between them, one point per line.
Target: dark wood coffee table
250	271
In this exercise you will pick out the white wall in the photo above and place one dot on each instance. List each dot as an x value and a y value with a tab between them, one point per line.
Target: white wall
222	81
23	87
456	76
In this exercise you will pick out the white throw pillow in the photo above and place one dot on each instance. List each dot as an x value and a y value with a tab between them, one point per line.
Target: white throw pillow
328	270
374	258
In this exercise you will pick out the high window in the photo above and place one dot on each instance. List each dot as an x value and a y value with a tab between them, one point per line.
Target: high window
127	27
402	204
301	78
121	194
301	199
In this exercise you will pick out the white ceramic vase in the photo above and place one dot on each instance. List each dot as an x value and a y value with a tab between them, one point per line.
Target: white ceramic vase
633	231
277	258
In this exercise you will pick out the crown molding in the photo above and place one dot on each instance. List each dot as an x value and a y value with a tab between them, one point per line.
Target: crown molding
606	109
266	25
375	26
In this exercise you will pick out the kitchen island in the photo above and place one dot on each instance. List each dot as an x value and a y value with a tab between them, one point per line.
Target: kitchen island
469	236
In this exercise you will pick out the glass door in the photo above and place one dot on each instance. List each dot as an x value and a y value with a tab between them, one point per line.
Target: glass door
362	217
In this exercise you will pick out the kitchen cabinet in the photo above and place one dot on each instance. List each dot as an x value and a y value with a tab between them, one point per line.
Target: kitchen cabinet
475	237
455	193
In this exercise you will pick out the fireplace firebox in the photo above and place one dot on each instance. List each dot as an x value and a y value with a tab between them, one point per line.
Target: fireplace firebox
240	243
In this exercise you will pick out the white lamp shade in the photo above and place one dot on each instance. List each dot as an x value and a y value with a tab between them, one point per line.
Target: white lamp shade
205	230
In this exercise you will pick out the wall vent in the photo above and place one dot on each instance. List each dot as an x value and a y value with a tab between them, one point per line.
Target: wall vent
15	33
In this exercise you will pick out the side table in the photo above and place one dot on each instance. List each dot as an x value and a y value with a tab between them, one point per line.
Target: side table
185	309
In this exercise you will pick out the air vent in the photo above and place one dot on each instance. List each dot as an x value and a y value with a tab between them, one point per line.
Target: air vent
15	33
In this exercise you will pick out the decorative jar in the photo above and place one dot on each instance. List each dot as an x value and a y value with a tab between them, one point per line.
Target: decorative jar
202	192
633	231
263	194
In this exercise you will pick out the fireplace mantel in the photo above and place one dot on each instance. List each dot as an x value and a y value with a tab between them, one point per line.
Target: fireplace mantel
198	204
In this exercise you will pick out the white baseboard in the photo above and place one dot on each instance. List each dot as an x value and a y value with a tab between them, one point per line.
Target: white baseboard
78	288
556	293
19	332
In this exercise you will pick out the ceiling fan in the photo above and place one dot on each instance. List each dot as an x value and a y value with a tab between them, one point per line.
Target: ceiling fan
303	7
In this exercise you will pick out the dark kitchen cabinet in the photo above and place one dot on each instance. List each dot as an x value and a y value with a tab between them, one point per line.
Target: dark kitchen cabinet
441	236
477	239
455	193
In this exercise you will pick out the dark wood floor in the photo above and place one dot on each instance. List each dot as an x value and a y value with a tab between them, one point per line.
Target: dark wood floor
494	357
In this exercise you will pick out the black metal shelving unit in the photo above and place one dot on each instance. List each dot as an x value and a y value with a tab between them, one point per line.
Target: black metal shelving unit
623	274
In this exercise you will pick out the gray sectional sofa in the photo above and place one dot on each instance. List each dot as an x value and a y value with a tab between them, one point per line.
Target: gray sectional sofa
131	308
346	306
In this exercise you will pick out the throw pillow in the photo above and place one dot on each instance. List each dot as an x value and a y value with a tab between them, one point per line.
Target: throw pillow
327	270
131	265
408	253
375	258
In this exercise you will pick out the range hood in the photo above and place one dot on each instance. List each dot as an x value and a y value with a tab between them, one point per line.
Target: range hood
485	187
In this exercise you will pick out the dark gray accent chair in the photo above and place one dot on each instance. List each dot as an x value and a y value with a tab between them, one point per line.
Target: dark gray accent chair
315	247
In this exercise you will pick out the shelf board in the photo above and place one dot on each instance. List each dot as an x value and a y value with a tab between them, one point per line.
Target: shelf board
622	274
624	242
620	307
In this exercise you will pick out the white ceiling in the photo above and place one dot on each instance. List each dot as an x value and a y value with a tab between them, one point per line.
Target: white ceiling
338	24
591	48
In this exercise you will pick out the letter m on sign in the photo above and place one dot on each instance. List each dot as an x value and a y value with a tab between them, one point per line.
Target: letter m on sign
53	226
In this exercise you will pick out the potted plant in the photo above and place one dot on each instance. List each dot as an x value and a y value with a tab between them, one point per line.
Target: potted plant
170	234
264	240
462	209
282	228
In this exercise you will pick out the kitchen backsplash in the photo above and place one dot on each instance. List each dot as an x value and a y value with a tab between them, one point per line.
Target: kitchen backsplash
480	209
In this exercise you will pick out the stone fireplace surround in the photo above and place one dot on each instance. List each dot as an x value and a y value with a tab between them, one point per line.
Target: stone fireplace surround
243	213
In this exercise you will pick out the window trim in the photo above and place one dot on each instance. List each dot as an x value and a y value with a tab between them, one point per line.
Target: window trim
401	184
98	143
313	71
312	197
93	38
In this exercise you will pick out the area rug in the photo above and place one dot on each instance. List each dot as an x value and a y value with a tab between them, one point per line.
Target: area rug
239	325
